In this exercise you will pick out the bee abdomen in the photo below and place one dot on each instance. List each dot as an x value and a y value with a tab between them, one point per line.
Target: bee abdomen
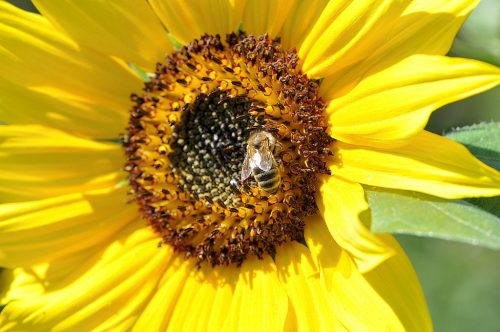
267	180
262	176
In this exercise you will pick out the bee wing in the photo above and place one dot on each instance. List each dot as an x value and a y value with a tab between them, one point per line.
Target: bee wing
247	167
266	156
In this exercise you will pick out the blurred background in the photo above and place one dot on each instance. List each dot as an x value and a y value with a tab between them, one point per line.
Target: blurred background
461	282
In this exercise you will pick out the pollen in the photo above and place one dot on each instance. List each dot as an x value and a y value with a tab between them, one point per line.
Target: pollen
203	182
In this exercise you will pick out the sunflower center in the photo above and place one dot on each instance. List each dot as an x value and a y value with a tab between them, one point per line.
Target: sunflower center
224	145
210	144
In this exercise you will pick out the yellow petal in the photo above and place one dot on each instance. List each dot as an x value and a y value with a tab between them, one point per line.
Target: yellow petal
428	163
19	105
342	203
37	231
6	279
39	162
426	27
40	278
346	32
35	55
106	296
206	295
266	16
300	21
156	315
15	279
389	107
353	300
259	302
301	279
396	282
127	29
191	19
17	284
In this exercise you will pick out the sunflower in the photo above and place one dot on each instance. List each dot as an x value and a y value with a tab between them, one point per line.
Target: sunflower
198	165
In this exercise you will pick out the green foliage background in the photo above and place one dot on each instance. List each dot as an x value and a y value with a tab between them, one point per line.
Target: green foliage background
461	282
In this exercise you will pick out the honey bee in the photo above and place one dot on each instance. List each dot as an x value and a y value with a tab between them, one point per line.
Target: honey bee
259	161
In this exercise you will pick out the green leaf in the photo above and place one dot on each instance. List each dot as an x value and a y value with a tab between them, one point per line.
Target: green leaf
405	212
490	204
177	45
482	140
143	75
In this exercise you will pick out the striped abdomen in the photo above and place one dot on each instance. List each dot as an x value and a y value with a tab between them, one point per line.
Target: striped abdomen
267	180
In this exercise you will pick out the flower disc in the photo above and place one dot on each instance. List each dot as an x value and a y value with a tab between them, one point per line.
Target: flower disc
191	130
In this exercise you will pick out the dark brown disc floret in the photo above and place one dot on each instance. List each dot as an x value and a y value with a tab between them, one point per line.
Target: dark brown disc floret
188	137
